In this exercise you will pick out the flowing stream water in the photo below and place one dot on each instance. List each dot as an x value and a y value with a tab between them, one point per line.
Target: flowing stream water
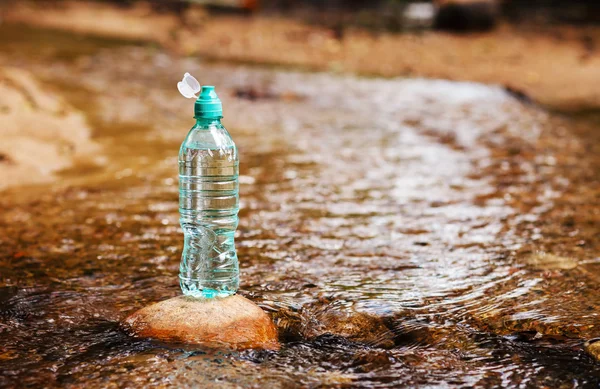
401	232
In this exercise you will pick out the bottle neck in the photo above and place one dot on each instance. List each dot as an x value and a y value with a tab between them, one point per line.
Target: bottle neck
207	122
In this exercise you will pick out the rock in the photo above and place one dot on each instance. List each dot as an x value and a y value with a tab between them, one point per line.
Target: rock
547	261
592	346
231	322
37	122
355	326
466	15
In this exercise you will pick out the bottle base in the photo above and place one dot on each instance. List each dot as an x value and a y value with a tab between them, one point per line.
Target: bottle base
195	289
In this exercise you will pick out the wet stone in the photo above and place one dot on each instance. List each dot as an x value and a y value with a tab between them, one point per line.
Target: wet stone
233	322
547	261
355	326
592	347
63	139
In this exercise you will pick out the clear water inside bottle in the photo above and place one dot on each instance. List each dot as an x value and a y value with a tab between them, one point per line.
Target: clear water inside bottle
208	207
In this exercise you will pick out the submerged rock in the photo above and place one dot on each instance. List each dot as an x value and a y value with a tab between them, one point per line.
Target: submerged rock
324	318
547	261
231	322
355	326
592	346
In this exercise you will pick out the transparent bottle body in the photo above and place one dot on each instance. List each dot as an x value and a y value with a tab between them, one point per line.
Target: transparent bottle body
208	210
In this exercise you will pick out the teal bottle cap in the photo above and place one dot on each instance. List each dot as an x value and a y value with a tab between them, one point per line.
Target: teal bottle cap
208	105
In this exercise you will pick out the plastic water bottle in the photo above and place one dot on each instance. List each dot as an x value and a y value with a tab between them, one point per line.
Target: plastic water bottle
208	203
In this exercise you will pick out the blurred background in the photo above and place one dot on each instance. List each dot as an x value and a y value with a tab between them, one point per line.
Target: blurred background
542	51
419	189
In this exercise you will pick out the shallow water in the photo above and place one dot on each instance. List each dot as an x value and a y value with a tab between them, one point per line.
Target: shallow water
401	232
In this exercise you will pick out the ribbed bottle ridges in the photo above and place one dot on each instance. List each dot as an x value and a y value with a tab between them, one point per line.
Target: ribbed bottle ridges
208	207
